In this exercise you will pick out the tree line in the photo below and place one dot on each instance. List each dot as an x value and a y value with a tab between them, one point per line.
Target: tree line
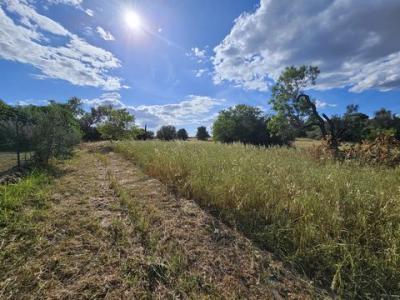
296	115
52	130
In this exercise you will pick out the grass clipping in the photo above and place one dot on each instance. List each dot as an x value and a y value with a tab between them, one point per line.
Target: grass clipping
339	224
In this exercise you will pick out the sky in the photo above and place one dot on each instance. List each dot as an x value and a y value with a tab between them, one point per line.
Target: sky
180	62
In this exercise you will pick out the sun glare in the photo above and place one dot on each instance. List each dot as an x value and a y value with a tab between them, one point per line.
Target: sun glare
132	20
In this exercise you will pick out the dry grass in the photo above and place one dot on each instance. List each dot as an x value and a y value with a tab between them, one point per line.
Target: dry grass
8	160
337	223
103	229
305	143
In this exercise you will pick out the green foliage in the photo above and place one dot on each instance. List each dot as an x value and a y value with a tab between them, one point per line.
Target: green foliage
166	133
281	131
54	131
285	96
142	134
117	125
241	123
202	133
338	223
182	134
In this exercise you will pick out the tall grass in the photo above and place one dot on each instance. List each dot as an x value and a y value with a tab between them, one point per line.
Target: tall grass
339	224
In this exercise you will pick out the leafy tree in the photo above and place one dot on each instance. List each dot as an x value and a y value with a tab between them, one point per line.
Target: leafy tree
142	134
89	120
384	122
166	133
117	124
354	125
202	133
182	134
241	123
292	104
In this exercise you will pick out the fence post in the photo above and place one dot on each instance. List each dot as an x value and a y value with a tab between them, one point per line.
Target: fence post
17	143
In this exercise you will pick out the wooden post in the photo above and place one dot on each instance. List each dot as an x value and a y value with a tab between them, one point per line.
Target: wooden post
17	143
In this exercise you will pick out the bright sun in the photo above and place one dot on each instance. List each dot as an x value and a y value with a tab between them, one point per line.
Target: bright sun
133	20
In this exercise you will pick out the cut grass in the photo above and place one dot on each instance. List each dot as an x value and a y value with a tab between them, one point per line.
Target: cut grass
166	264
340	224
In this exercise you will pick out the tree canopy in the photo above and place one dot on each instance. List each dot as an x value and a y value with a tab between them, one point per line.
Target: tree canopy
202	133
166	133
182	134
241	123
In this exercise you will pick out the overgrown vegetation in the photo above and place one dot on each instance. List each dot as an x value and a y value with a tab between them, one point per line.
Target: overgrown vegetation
22	206
338	223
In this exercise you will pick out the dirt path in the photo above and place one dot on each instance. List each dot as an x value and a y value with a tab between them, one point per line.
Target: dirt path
114	233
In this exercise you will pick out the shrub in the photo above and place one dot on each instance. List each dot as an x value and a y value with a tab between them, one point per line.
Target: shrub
383	151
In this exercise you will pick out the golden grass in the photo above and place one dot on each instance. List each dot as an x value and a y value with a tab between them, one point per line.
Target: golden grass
340	224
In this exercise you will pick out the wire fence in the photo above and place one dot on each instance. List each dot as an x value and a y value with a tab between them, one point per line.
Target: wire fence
11	159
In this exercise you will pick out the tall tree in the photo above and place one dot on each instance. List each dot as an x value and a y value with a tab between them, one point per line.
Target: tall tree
293	105
117	125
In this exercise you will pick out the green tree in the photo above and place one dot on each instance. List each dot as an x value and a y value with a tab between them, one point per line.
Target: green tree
293	105
354	125
202	133
241	123
166	133
182	134
117	125
142	134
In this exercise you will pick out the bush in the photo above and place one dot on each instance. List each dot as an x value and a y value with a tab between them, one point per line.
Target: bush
383	151
166	133
55	132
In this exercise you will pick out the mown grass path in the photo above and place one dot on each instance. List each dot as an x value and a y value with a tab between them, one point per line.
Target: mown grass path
112	232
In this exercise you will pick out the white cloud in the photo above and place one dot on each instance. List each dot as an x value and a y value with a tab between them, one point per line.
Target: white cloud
78	62
197	53
192	110
66	2
355	45
201	72
105	35
323	104
113	98
89	12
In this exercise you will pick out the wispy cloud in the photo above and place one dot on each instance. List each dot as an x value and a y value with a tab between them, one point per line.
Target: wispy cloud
105	35
323	104
78	62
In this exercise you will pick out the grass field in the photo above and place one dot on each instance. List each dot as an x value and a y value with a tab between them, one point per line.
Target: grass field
339	224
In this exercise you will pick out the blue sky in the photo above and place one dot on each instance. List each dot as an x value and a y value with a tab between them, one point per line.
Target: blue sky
188	59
